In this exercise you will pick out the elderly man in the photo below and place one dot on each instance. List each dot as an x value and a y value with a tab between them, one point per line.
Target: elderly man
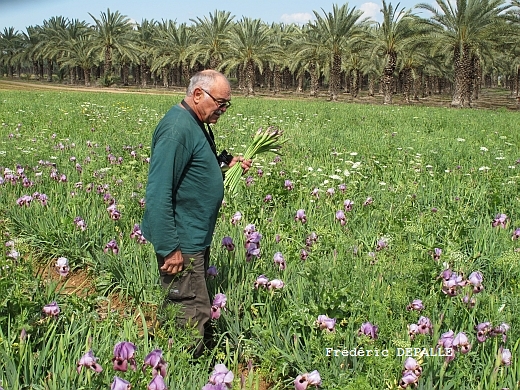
184	194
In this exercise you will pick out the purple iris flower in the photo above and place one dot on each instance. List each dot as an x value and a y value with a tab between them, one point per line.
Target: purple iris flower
461	342
137	234
124	355
304	254
157	383
342	187
475	279
340	216
252	250
250	228
368	201
500	221
90	361
52	309
300	216
62	266
505	356
288	185
261	281
80	223
369	330
275	284
155	360
113	212
268	198
516	234
410	364
221	375
330	191
259	172
469	301
227	242
311	239
25	200
236	218
500	330
215	313
437	254
324	322
249	181
220	300
408	378
483	329
315	192
413	329
415	305
280	260
303	381
212	271
424	325
120	384
111	246
381	244
348	204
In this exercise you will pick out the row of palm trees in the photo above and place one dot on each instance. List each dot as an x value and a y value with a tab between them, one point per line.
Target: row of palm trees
462	44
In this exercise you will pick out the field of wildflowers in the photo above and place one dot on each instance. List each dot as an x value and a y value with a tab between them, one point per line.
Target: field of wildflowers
379	250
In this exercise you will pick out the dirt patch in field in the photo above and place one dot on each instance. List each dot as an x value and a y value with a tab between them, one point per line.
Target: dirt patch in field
494	98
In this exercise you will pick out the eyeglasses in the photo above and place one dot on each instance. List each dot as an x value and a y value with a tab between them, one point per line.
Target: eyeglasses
220	104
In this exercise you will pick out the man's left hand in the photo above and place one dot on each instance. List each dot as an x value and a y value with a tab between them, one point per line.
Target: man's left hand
246	164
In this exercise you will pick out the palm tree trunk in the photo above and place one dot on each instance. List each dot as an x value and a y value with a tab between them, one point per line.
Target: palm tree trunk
250	78
462	77
277	79
407	84
126	72
299	88
335	73
86	73
388	75
49	70
108	61
314	79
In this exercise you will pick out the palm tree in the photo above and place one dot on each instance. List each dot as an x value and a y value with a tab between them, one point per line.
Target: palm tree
465	28
51	35
250	48
10	46
308	54
171	50
80	52
29	54
114	32
211	36
335	29
400	31
146	31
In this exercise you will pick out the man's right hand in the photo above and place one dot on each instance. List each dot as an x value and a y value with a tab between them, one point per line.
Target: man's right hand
173	263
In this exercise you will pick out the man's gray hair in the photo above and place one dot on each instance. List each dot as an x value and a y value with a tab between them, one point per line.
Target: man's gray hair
203	80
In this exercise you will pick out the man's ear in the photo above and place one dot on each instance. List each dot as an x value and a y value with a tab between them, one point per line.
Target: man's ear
197	95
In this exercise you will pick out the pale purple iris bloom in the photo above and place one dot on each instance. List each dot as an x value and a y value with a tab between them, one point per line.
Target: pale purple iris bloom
500	330
260	172
415	305
280	260
111	246
461	342
221	375
90	361
300	216
24	200
408	378
483	329
113	212
304	254
342	187
410	364
268	198
252	251
52	309
475	279
369	330
505	356
275	284
340	216
80	223
227	242
368	201
446	343
236	218
250	228
348	204
516	234
137	234
155	360
315	192
219	302
424	325
413	329
62	266
437	254
311	239
123	356
303	381
120	384
157	383
381	244
330	191
469	301
288	185
324	322
500	221
261	281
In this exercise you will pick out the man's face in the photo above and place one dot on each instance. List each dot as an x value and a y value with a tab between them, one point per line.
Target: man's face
212	103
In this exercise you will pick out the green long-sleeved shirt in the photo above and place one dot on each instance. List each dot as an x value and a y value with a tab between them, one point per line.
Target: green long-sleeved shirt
184	190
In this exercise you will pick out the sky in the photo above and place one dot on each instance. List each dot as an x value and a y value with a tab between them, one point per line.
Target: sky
23	13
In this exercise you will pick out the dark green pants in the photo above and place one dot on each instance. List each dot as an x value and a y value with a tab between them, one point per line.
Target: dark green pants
188	289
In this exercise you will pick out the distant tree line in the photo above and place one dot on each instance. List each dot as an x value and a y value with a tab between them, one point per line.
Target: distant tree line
462	46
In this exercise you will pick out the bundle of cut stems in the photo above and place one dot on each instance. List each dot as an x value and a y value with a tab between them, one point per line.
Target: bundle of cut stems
267	140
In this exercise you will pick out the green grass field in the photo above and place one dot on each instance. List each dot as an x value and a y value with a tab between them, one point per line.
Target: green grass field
438	179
